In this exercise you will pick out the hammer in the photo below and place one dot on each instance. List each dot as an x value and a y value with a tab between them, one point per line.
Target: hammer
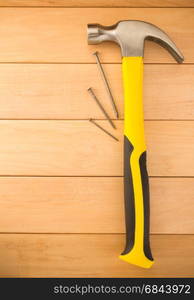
130	36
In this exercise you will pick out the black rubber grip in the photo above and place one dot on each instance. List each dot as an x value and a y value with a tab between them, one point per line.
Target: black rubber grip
129	198
146	197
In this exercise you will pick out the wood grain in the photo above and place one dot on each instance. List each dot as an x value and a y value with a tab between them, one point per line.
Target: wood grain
71	223
97	3
90	205
53	148
59	35
79	148
31	91
40	255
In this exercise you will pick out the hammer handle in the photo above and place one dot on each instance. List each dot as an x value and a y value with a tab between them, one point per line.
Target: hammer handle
136	186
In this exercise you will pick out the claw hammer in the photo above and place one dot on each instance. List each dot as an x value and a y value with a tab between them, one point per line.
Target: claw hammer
130	36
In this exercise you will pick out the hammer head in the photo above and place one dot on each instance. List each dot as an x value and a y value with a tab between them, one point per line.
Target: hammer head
130	35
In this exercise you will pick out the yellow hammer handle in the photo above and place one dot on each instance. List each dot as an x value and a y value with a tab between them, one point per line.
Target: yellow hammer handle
136	186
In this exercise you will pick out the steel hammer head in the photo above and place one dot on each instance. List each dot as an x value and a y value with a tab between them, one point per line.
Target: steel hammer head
130	35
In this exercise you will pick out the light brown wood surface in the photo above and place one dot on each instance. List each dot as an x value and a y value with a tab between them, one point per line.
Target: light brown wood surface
87	255
59	34
61	191
90	205
97	3
74	148
44	91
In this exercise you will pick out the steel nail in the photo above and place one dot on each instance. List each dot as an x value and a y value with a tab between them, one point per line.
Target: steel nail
91	92
106	84
107	132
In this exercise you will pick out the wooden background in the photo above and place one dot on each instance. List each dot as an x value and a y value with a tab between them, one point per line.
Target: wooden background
61	192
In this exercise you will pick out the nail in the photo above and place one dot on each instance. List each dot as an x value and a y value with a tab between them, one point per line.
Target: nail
107	132
106	84
91	92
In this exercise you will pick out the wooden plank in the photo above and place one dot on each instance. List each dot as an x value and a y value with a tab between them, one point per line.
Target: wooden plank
62	205
79	148
40	255
98	3
59	35
45	91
